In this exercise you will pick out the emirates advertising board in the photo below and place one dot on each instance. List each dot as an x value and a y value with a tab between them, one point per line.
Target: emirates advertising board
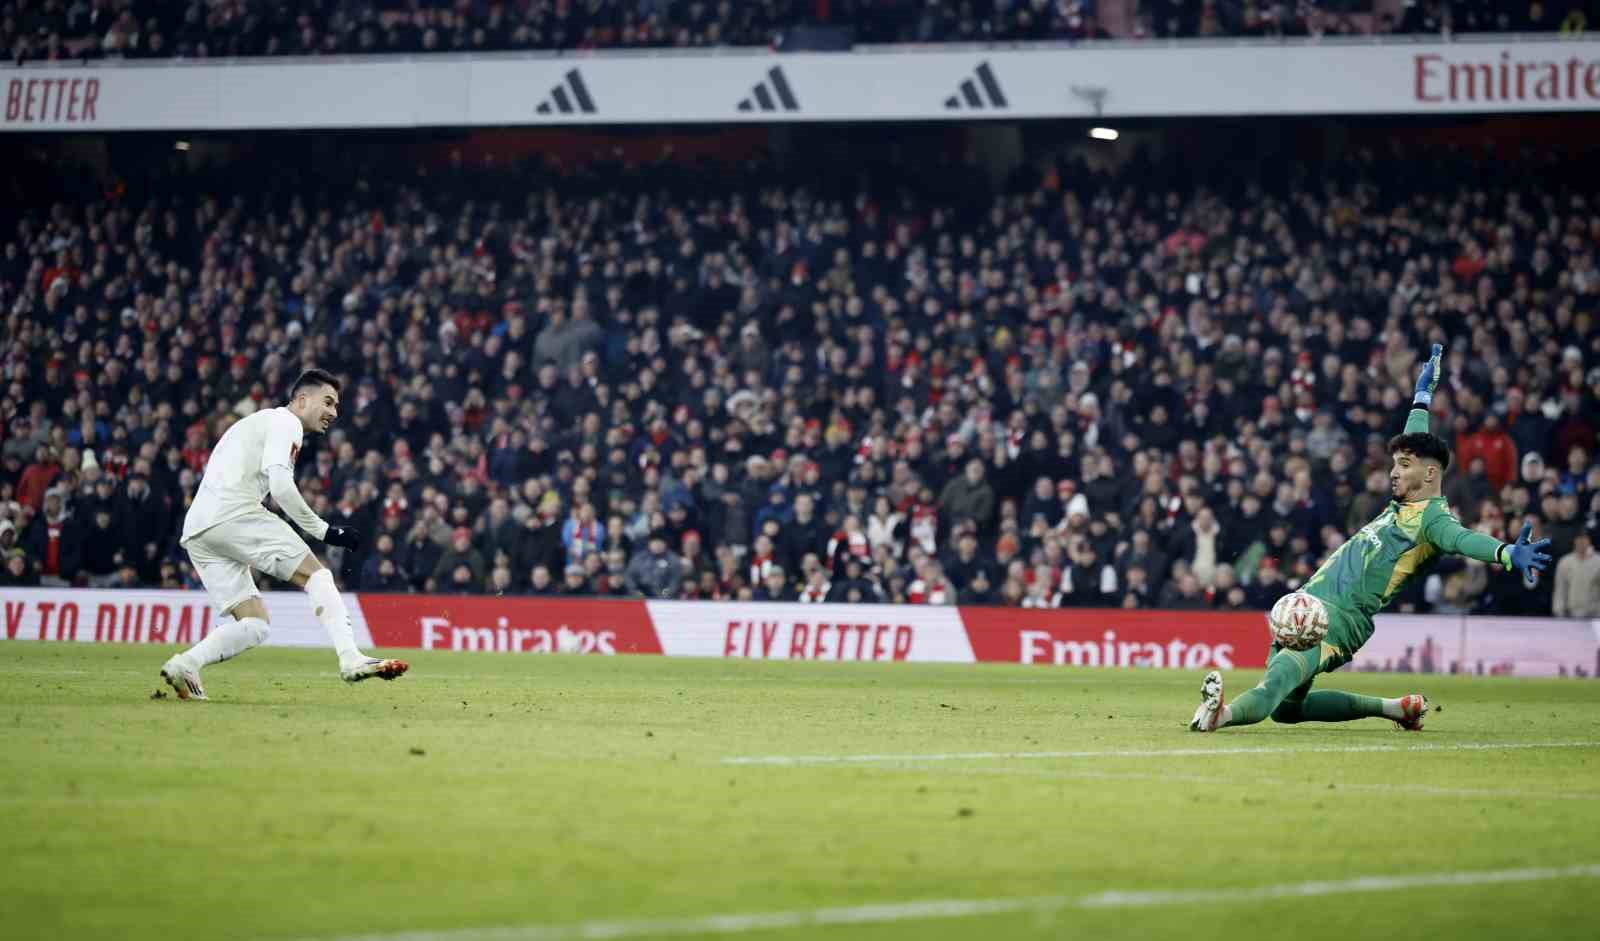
1099	80
154	617
1187	640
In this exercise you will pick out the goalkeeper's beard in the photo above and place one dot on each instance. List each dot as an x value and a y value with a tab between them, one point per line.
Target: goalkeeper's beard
1404	494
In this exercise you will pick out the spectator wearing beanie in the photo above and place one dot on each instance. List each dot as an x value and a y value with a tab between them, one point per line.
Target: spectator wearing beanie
575	582
775	586
655	572
459	557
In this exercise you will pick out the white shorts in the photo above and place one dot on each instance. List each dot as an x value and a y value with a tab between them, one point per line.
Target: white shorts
224	555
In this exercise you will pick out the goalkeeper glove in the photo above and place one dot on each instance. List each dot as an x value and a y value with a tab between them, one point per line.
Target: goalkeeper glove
1526	556
1429	378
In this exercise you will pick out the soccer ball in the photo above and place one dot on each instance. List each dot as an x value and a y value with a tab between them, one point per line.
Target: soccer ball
1298	621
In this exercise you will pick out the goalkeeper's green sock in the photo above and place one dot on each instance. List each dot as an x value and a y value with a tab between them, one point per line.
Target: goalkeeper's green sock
1332	705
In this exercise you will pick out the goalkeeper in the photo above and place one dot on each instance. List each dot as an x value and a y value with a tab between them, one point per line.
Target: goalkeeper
1360	577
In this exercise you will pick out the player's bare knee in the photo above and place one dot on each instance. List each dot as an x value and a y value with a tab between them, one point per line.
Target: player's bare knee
250	609
309	566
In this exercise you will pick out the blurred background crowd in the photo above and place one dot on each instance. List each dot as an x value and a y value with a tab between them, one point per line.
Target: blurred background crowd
154	29
1087	387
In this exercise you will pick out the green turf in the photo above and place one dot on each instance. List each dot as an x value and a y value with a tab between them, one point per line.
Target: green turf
496	790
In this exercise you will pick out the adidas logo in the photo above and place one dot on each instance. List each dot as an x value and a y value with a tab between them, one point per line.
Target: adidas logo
761	96
571	95
972	97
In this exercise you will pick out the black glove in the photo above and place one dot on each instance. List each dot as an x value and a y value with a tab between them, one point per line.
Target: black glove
346	536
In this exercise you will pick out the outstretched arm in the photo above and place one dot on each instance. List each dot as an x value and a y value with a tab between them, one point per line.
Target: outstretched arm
1445	531
1422	400
1438	526
1417	420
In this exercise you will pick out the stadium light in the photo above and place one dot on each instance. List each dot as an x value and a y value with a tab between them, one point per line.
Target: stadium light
181	145
1104	133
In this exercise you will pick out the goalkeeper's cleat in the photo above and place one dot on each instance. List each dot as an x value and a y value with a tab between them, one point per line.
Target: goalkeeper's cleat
1415	707
368	667
184	680
1205	717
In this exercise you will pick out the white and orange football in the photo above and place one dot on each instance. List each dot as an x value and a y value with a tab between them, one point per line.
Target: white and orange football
1298	621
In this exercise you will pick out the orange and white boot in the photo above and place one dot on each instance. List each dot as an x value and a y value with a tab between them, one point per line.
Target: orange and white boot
368	667
1413	708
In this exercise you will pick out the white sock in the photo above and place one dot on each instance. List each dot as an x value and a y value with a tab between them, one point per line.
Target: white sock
1392	710
330	610
228	640
1224	716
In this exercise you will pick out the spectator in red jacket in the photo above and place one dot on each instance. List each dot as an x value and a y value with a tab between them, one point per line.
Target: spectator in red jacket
1491	443
1471	262
37	478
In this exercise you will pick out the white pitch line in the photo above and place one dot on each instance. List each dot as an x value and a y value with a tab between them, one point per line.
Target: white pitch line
930	909
730	923
800	760
1428	789
1335	887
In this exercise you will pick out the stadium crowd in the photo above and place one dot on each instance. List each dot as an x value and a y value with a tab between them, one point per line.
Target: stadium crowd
71	29
1184	19
190	29
645	381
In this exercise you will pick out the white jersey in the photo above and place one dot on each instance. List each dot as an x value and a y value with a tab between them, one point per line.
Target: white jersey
235	480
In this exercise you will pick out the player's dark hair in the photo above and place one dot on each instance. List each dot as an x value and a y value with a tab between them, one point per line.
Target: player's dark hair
1423	445
312	378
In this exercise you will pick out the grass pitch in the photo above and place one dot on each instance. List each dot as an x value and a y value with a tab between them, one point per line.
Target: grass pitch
557	797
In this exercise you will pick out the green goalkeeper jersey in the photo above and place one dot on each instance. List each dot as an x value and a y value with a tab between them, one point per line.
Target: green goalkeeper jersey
1403	544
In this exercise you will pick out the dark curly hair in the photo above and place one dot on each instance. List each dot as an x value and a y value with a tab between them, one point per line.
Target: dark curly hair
1423	445
313	378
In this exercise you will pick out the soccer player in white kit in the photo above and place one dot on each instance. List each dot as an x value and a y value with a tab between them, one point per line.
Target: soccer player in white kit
227	532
